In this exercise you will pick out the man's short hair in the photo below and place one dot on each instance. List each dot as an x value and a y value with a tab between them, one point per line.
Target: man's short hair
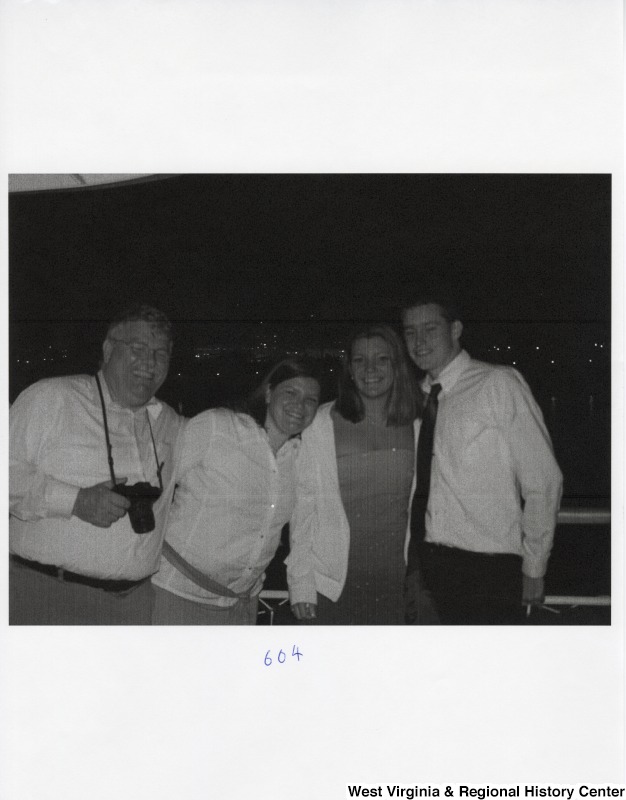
450	307
140	312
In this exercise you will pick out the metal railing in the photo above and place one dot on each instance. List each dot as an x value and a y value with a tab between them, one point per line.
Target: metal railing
581	516
566	516
584	516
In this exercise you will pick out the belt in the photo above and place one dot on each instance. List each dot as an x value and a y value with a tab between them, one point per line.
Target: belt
450	548
74	577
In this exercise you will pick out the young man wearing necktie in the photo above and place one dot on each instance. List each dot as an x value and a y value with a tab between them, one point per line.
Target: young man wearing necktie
487	485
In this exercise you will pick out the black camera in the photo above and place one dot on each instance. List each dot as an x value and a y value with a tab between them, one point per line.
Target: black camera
142	496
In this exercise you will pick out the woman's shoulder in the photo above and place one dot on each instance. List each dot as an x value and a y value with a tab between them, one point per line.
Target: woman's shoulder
322	419
323	412
321	425
222	419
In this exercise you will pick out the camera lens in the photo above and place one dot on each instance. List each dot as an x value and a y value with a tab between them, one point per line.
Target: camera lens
140	514
141	496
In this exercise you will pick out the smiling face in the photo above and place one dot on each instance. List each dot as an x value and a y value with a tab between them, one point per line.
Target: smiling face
136	361
291	407
371	367
431	339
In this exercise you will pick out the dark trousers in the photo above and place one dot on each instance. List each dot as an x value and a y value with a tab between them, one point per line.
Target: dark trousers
473	588
37	599
419	606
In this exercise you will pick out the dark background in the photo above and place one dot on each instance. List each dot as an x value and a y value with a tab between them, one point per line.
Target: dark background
285	247
249	267
529	256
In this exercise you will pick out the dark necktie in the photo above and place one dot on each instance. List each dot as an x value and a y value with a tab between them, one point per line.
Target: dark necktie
422	476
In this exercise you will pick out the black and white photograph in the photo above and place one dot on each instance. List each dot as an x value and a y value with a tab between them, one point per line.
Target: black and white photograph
312	335
343	299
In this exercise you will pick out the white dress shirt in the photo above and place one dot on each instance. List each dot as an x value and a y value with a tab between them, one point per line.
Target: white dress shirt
233	498
57	446
495	485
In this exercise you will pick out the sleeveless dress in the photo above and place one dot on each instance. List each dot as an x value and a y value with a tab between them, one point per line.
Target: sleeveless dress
375	466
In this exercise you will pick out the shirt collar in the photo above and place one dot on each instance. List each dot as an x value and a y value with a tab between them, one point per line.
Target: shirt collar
293	442
450	374
153	406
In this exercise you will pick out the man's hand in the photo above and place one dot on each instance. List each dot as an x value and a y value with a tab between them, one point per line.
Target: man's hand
99	505
532	591
304	611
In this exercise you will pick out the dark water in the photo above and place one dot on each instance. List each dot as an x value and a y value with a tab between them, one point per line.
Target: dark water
580	563
580	428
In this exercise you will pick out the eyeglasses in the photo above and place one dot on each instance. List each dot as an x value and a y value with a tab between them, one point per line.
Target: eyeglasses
143	352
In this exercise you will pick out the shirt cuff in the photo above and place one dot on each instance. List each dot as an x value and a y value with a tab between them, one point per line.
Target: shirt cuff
60	498
304	591
533	568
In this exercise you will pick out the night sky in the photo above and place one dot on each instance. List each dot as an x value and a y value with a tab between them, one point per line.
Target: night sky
527	255
244	247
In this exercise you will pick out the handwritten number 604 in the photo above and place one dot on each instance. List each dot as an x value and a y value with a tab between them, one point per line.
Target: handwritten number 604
282	657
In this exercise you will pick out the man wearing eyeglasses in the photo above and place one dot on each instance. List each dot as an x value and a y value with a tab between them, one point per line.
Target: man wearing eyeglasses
75	557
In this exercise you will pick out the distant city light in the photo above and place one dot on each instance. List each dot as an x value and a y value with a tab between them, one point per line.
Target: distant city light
537	348
552	362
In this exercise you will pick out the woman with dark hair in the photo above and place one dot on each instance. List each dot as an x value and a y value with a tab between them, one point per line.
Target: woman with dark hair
237	480
346	565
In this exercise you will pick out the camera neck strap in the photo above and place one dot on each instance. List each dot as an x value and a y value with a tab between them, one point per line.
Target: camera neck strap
108	438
